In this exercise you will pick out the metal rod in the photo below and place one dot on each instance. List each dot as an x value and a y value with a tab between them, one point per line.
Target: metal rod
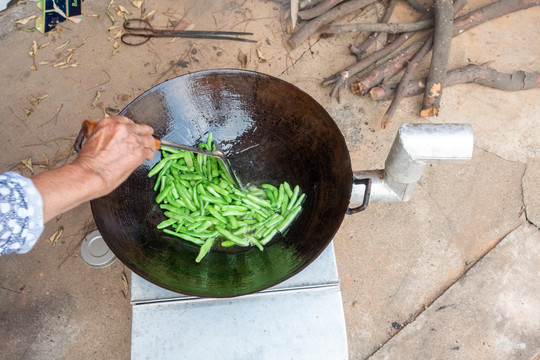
415	146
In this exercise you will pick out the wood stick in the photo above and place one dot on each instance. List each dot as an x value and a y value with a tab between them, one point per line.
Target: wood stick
337	12
309	3
489	12
417	6
411	67
399	93
461	24
340	78
476	74
318	10
442	39
388	69
368	60
393	28
360	49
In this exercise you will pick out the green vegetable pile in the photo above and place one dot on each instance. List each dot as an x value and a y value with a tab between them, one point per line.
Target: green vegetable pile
204	206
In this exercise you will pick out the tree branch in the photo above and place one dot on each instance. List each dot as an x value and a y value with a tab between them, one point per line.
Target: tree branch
400	91
360	49
476	74
313	25
442	40
388	69
461	24
381	27
318	10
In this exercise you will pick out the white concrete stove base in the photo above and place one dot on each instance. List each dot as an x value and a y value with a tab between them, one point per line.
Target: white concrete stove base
301	318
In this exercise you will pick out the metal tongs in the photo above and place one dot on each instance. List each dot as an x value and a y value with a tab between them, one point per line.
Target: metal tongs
88	126
139	31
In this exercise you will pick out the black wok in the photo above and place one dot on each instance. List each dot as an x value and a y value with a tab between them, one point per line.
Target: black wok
271	132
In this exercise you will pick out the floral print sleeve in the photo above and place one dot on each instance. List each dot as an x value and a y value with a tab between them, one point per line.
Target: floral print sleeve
21	214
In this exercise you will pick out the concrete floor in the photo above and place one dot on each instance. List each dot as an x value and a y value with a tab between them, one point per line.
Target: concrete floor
451	274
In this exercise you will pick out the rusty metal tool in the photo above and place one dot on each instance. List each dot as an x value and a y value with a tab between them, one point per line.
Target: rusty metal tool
139	31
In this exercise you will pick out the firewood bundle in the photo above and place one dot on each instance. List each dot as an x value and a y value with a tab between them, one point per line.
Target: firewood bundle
402	52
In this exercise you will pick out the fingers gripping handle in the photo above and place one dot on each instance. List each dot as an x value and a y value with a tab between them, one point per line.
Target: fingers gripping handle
87	128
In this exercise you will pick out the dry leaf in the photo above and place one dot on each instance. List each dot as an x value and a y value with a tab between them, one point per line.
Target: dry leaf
125	292
69	65
155	71
118	35
122	97
137	4
110	4
36	100
116	48
33	68
242	57
53	240
45	159
44	44
114	27
61	63
96	99
83	42
28	111
260	55
28	164
182	25
110	17
151	13
124	10
33	49
62	46
25	20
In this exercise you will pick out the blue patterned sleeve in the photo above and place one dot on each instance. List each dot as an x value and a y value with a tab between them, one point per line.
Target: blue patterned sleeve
21	214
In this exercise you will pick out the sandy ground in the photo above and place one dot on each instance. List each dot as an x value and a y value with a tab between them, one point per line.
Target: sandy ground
395	260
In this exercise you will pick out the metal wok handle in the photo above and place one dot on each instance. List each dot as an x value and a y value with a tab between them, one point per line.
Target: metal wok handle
367	192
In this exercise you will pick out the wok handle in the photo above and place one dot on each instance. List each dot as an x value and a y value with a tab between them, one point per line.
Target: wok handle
367	193
88	127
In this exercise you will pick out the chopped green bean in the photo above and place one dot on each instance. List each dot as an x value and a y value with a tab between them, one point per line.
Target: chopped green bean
166	223
184	236
288	189
269	237
289	219
296	192
203	205
205	248
232	237
254	241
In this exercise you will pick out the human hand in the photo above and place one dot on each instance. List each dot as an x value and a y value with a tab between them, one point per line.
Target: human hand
114	149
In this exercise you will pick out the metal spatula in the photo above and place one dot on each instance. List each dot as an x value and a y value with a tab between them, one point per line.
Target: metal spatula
88	126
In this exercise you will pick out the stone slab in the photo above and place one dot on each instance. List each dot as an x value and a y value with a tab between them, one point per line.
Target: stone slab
493	312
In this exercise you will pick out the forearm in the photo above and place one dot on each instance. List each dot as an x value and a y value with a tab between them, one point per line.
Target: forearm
66	187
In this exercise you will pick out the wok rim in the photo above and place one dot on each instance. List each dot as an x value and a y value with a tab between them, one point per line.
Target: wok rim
322	246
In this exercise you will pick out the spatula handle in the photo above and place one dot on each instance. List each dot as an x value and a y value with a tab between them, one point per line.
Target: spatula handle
87	128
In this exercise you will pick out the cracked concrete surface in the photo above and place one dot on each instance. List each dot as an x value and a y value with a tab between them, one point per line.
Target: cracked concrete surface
531	193
394	259
485	315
